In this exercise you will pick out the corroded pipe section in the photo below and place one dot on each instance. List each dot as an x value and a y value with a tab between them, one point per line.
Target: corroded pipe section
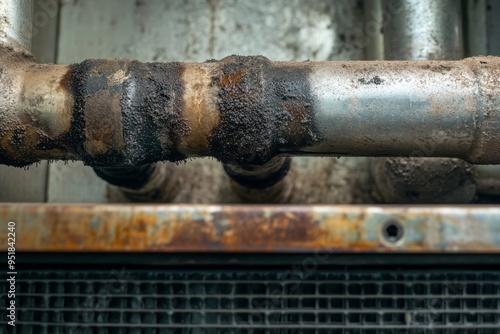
245	110
134	177
149	183
265	183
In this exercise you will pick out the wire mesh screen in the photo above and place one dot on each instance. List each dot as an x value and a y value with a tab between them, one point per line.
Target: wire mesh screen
243	301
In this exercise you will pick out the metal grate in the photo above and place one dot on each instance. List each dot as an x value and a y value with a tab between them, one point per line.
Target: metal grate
242	301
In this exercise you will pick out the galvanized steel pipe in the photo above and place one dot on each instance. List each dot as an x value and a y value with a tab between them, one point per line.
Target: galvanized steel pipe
16	22
423	30
246	110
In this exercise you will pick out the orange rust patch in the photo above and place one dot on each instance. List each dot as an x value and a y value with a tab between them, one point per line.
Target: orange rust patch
103	124
232	79
247	228
300	116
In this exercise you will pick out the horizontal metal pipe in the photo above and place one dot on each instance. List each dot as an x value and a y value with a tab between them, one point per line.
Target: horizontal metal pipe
246	110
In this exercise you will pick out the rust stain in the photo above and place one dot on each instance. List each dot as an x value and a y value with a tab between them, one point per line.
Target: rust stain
249	228
103	124
232	79
300	116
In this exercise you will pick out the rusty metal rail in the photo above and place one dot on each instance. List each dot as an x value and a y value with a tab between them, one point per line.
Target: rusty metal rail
246	110
208	228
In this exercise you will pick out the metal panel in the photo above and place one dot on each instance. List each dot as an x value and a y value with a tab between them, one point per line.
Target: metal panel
257	301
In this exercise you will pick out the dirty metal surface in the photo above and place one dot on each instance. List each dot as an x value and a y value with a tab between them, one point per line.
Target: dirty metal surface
19	185
424	30
201	30
16	22
247	110
240	228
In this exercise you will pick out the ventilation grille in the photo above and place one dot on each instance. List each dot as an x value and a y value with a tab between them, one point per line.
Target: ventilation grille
291	301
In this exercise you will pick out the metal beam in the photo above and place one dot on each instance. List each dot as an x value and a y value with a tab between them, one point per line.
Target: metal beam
266	229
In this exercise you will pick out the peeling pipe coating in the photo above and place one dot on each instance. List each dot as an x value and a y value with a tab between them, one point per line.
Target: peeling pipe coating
245	110
127	113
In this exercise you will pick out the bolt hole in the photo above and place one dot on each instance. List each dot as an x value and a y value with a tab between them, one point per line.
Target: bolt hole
393	231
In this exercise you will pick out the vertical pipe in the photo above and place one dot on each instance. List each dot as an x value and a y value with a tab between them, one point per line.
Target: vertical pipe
424	30
493	26
262	184
483	28
374	27
153	182
16	22
475	32
19	185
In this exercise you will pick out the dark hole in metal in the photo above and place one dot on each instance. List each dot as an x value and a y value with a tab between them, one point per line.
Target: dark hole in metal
393	231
